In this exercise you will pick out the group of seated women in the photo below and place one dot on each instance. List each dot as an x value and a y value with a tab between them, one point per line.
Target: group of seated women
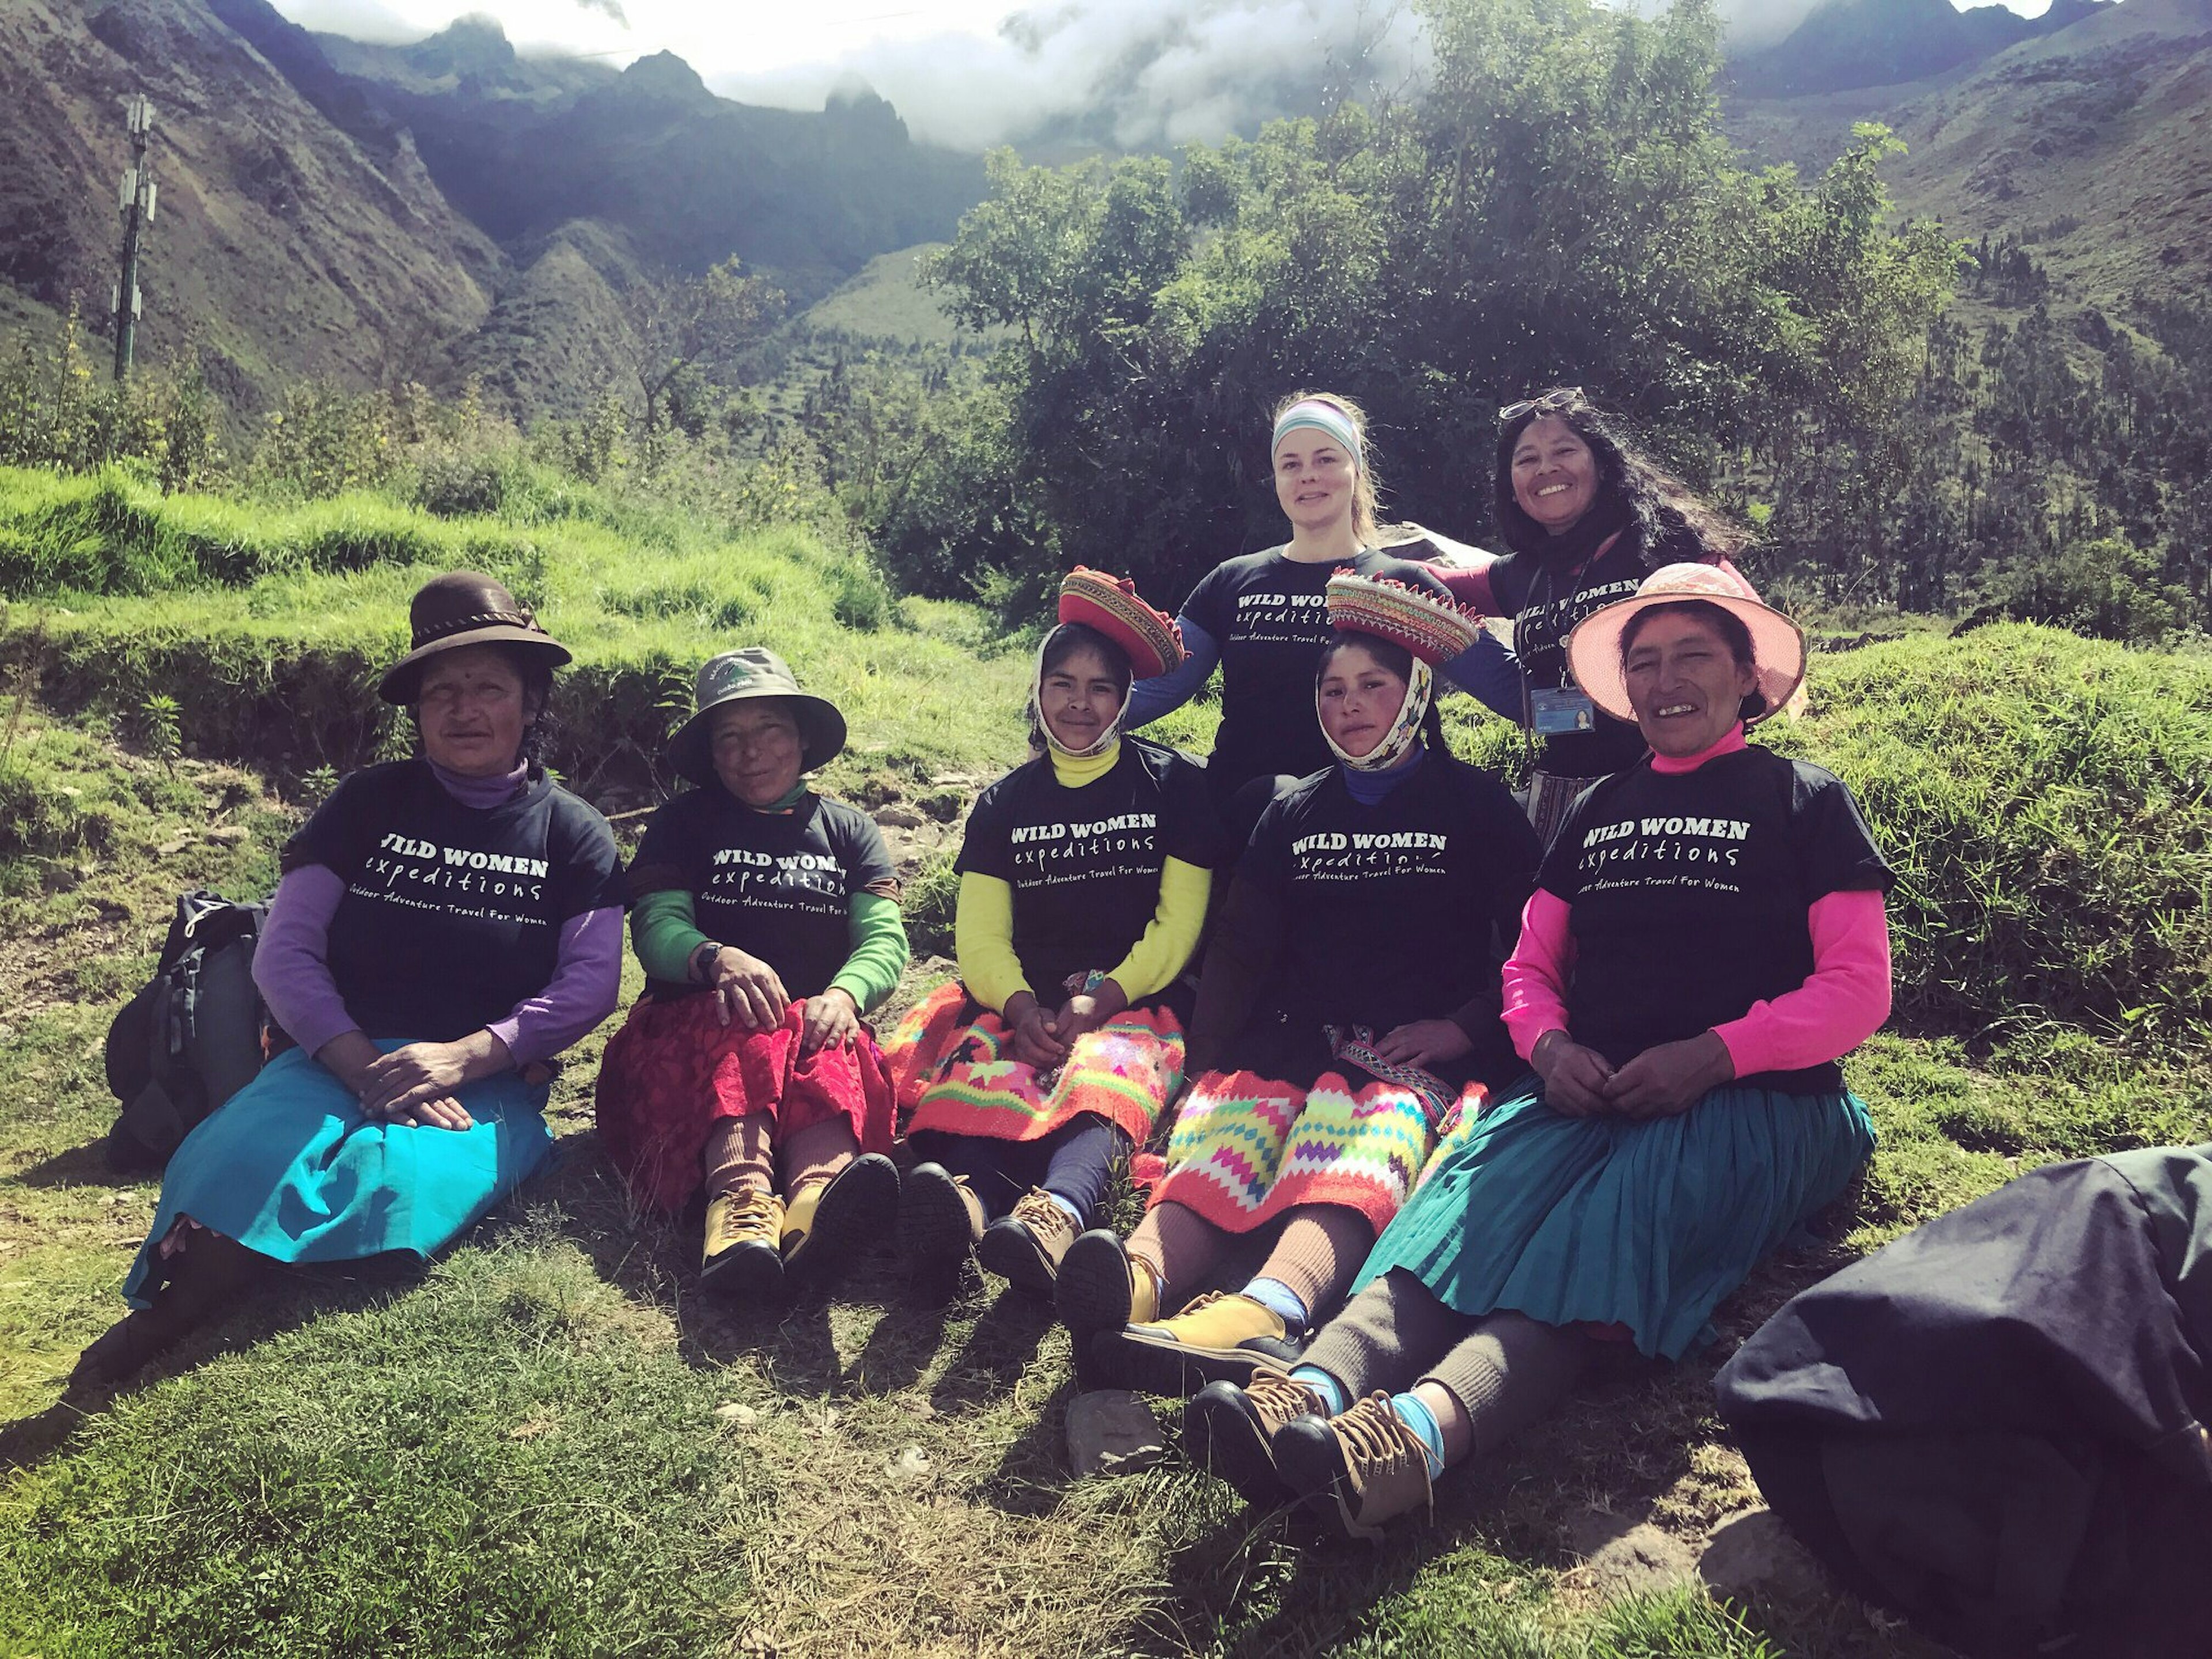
1443	1111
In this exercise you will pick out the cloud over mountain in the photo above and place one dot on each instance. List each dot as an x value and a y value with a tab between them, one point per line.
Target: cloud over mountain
1127	73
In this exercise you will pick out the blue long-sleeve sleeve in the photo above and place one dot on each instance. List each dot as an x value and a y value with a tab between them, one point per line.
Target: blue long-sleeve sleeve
1486	670
1164	693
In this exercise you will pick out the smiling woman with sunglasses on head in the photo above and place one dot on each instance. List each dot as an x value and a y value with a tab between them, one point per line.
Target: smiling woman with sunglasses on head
1587	516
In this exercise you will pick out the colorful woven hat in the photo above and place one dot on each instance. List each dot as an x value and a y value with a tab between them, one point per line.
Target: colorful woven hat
1110	604
1430	625
1777	642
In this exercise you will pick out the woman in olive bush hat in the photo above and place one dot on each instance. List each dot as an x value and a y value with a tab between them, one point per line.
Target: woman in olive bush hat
767	919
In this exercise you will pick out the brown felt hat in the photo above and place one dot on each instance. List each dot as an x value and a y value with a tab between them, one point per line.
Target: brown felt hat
463	607
738	677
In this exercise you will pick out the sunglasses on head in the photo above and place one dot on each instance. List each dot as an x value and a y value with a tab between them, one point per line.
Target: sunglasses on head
1558	397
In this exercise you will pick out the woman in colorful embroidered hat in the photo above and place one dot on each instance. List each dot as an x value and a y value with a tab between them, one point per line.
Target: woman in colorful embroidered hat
1083	880
1587	516
1264	617
767	919
444	925
1705	941
1348	1013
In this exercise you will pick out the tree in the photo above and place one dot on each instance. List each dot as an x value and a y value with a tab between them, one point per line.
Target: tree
685	326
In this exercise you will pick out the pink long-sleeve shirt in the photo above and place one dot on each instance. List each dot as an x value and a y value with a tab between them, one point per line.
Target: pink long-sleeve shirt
1842	1003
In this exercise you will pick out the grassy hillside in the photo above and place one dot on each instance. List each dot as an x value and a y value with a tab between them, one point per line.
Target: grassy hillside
549	1445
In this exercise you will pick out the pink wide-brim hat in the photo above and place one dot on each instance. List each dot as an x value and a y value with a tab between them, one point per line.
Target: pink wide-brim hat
1778	645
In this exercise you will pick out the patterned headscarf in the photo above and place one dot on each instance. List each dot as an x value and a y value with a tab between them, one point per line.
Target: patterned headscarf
1323	416
1405	733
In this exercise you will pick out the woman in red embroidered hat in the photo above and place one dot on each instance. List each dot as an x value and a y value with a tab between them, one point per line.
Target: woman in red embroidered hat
1348	1014
1705	941
767	919
1084	881
443	925
1264	617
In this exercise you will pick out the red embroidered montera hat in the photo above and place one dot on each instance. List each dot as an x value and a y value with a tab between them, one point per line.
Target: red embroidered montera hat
1110	604
1430	625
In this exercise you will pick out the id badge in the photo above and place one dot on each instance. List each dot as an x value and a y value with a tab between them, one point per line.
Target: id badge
1554	714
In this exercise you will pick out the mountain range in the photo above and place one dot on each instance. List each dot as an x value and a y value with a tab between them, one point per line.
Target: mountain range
375	212
378	212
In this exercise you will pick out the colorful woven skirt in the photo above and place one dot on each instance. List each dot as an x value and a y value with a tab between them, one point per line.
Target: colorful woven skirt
1247	1147
954	1074
674	1071
1642	1223
289	1166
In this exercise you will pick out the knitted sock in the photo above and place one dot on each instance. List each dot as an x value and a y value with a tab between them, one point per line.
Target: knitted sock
816	1153
1178	1244
1414	1413
737	1158
1320	1248
1330	1390
1280	1300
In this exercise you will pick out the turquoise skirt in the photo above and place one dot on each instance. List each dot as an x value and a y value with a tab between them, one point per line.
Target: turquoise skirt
289	1166
1646	1223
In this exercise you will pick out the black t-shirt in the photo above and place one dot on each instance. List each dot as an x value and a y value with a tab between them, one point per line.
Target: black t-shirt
452	914
776	885
1085	864
1546	602
1689	892
1269	614
1399	911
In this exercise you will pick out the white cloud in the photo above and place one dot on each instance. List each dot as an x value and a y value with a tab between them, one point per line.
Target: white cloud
971	73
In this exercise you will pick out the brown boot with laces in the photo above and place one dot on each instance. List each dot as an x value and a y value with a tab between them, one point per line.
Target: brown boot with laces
743	1258
1025	1248
1229	1432
1357	1471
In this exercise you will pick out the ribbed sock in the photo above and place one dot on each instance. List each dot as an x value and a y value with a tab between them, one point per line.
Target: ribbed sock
1415	1414
1317	1252
1282	1301
1332	1395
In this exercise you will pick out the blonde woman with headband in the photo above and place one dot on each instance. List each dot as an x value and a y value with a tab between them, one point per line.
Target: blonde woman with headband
1263	616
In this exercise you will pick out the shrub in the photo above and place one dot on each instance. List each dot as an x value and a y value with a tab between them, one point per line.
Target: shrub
2047	802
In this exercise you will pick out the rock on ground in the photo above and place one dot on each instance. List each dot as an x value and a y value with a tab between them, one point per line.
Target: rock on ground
1112	1431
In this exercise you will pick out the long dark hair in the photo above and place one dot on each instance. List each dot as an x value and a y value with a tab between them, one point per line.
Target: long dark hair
1400	661
1672	523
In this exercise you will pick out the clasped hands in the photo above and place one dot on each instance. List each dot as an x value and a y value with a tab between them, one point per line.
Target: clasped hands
1660	1082
1041	1038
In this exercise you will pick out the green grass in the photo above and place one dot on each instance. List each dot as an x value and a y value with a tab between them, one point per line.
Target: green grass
547	1446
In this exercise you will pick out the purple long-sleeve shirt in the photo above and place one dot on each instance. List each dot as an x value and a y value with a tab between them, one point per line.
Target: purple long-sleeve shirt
291	963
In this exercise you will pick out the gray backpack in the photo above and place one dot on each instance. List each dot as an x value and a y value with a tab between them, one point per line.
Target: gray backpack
193	1036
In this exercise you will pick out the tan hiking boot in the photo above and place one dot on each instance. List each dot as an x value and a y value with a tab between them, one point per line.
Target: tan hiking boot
828	1221
1229	1432
743	1255
1026	1248
1357	1471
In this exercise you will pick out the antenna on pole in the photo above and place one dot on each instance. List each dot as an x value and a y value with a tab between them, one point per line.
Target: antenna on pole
136	200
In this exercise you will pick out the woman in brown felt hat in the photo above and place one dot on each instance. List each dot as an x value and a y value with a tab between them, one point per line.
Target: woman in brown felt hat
444	925
767	919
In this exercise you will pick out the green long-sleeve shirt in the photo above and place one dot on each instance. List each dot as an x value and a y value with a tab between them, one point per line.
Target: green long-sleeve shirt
664	931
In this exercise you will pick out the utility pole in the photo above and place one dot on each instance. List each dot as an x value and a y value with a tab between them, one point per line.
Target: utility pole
138	206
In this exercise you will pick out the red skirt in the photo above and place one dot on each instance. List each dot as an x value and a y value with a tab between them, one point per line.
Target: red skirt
673	1071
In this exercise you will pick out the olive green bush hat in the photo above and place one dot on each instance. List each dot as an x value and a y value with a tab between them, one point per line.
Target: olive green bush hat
736	676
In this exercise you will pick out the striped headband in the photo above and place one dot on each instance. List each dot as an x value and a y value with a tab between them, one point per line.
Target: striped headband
1323	416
